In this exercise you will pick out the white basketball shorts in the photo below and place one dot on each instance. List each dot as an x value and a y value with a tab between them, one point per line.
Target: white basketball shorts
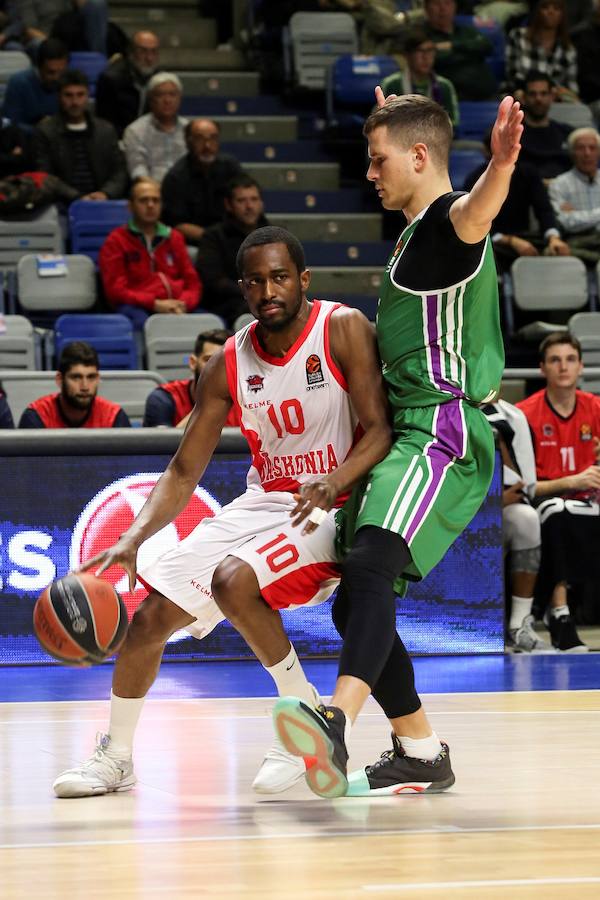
292	569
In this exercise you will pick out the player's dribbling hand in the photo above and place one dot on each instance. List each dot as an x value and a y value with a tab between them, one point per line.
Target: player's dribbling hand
123	553
313	495
506	134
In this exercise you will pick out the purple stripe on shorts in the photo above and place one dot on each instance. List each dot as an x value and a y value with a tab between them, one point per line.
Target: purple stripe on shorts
446	447
433	302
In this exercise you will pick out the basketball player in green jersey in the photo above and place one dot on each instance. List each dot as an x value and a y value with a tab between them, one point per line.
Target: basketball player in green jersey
441	346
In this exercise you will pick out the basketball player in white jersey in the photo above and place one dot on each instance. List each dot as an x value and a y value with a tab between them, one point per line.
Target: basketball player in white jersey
306	380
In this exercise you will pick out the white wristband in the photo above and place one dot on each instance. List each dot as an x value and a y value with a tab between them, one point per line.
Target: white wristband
317	515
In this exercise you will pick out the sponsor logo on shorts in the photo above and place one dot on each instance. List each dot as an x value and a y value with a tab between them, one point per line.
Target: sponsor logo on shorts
314	370
585	432
255	383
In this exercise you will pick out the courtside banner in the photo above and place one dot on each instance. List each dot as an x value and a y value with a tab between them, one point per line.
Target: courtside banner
57	511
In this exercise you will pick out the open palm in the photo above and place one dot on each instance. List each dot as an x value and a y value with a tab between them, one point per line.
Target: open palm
506	134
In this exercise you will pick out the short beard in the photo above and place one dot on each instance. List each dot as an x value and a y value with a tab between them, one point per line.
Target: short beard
75	402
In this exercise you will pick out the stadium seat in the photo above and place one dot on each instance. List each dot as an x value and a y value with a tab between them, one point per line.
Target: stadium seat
371	253
91	64
352	80
19	344
110	334
586	327
476	116
577	115
11	61
37	232
313	41
545	284
321	226
232	106
42	298
366	303
278	151
111	212
341	281
461	164
170	340
344	200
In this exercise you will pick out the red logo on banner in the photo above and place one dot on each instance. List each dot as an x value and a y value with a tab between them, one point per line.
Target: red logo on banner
112	511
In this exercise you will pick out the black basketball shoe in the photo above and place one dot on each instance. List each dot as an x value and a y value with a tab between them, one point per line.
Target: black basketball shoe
564	635
318	737
397	773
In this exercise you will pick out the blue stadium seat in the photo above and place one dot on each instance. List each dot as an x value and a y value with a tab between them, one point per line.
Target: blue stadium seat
344	200
110	334
476	116
462	163
113	212
367	304
352	81
88	237
92	64
492	30
333	253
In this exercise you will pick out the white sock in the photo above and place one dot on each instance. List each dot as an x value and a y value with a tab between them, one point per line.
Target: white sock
521	607
124	716
559	611
422	748
290	679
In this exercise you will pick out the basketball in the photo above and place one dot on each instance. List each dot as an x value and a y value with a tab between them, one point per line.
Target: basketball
80	620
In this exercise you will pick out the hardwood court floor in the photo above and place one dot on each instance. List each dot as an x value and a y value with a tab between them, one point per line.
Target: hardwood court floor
522	821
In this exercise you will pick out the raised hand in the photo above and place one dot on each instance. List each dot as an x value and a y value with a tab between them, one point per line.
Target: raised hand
380	99
506	134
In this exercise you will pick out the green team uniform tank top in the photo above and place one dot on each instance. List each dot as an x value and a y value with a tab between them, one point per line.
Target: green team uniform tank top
438	330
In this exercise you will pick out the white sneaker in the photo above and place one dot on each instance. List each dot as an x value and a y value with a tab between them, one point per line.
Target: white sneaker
526	640
100	774
280	770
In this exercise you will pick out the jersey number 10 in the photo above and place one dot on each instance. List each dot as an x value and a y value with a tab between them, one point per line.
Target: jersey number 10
291	415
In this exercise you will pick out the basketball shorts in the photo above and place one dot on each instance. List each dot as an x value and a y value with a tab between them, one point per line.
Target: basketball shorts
570	540
428	487
292	569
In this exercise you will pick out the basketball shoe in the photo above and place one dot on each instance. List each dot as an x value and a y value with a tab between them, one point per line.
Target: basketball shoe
564	634
397	773
525	639
318	737
102	773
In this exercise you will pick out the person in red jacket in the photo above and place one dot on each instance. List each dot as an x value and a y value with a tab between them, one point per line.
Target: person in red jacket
144	265
77	404
170	404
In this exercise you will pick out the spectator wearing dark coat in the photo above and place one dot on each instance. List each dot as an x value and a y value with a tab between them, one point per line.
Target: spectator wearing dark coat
80	149
217	251
544	141
193	189
33	93
121	88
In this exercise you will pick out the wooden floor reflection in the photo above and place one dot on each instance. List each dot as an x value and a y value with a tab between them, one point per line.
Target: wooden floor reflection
522	821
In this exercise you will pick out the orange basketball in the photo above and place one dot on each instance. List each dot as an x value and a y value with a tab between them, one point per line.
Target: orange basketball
80	620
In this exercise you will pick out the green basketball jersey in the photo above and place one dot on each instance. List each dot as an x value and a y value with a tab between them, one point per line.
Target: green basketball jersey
438	321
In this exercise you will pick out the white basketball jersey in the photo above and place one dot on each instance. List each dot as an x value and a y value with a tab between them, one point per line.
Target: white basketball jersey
295	410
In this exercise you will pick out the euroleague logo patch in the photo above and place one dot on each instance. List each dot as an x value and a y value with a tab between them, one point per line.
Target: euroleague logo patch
585	432
314	370
112	510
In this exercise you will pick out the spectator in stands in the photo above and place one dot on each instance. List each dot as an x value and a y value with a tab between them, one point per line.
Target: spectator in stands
170	404
155	141
544	141
565	425
217	252
78	148
121	88
11	27
77	404
461	52
543	45
193	190
81	24
575	196
33	93
511	231
385	23
419	76
144	265
15	151
587	45
520	521
6	419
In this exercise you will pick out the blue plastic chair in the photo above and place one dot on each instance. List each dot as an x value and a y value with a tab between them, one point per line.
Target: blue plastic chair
113	212
352	80
492	30
461	164
92	64
110	334
476	116
344	200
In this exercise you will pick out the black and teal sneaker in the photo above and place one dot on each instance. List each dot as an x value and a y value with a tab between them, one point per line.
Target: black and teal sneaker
318	737
397	773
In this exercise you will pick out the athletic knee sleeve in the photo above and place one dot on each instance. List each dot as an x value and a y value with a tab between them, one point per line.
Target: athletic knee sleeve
526	560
